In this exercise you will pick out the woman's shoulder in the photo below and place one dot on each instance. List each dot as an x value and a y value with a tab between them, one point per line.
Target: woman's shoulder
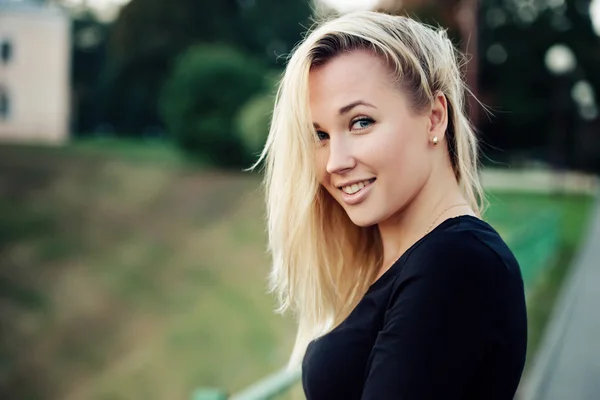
463	247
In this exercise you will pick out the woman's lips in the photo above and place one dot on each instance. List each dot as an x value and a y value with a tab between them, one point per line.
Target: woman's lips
360	195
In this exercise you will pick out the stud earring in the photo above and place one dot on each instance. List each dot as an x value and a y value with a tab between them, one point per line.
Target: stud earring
435	140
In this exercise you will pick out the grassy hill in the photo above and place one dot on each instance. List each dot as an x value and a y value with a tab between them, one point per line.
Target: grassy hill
127	278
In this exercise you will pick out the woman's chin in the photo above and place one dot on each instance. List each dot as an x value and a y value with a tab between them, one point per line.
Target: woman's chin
362	219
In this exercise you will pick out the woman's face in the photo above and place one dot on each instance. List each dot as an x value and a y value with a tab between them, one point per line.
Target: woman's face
375	152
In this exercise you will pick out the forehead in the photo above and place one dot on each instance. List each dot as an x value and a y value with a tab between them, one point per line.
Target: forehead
349	74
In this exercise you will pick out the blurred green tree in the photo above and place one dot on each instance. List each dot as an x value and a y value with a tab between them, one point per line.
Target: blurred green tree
201	98
149	35
253	121
254	118
88	49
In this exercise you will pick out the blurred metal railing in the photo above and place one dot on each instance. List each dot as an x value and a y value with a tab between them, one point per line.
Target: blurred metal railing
266	389
534	243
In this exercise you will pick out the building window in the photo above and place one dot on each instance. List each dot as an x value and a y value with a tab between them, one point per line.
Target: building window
6	51
4	104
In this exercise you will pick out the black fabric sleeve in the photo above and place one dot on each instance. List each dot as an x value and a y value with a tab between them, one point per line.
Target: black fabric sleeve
432	339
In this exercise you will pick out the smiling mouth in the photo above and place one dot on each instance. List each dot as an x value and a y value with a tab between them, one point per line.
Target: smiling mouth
357	187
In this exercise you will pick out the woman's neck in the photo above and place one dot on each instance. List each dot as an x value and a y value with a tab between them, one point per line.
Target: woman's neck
437	201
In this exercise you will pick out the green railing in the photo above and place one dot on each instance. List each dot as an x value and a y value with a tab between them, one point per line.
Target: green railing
534	242
268	388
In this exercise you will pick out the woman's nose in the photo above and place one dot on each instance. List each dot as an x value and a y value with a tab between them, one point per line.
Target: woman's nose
340	157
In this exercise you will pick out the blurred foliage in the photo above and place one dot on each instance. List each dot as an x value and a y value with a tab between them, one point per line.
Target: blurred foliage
149	35
201	98
266	28
253	121
533	108
88	47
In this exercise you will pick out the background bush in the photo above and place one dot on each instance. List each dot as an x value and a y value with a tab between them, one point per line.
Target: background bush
253	121
202	97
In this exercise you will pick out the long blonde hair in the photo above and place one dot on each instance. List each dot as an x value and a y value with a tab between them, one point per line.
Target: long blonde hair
322	263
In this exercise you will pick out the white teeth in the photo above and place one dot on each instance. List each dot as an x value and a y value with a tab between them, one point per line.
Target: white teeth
351	189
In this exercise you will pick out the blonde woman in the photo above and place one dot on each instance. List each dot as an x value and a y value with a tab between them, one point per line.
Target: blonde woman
400	290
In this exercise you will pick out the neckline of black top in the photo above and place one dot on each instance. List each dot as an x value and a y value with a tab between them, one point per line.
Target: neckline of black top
387	275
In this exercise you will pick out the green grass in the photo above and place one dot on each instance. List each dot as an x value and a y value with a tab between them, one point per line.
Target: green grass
124	279
129	280
139	151
150	150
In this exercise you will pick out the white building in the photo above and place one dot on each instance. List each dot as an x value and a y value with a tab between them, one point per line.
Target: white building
34	72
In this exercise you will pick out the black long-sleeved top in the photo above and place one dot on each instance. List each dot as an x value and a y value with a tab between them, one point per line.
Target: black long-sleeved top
446	321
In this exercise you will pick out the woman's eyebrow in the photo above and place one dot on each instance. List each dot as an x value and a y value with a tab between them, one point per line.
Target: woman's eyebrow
350	106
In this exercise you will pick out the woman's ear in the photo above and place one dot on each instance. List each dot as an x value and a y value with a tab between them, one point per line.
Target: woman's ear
438	116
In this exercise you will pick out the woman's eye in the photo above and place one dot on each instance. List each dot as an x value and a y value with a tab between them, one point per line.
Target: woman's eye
322	135
362	123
